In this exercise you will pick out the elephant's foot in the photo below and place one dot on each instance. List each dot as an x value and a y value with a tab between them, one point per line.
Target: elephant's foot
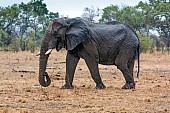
67	86
129	86
100	86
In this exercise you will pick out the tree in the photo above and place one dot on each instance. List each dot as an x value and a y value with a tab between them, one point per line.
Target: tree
8	18
17	22
5	39
90	14
162	19
148	16
128	15
109	14
131	16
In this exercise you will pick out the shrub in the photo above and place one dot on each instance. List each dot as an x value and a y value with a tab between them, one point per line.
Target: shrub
15	45
146	43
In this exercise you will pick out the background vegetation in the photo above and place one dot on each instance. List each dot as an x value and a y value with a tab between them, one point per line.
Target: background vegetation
22	26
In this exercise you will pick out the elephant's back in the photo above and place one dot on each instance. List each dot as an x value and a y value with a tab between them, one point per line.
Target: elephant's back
109	39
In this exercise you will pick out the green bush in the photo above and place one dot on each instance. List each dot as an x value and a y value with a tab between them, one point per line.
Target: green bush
15	45
146	43
31	44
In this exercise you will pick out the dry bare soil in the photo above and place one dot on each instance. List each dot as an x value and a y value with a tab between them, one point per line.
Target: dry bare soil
20	91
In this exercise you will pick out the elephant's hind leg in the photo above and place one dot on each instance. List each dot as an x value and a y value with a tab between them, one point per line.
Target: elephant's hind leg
94	70
92	65
122	64
131	64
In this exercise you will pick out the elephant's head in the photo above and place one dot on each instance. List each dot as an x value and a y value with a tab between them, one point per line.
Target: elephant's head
61	33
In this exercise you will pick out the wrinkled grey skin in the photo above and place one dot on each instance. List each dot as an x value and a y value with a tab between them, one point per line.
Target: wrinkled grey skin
111	43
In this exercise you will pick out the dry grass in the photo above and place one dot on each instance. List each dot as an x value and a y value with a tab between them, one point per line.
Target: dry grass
20	91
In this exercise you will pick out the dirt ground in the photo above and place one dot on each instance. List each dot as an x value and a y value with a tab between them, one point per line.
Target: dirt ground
20	91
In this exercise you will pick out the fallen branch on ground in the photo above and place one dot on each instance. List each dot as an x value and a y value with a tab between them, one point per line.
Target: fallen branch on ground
24	71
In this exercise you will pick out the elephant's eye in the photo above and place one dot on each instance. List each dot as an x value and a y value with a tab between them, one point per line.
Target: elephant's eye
56	31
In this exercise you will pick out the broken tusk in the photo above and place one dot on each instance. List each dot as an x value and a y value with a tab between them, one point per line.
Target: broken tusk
49	51
38	54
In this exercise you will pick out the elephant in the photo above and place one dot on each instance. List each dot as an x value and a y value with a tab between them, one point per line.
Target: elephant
111	43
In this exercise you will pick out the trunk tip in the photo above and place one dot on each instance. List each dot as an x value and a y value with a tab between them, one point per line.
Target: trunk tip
44	80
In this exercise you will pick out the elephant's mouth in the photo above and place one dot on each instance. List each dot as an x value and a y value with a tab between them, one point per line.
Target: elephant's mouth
59	46
52	45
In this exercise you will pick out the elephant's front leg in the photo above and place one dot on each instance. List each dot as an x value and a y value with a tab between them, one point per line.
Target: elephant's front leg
71	63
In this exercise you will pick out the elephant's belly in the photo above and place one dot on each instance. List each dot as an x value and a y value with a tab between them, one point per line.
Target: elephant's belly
108	60
107	63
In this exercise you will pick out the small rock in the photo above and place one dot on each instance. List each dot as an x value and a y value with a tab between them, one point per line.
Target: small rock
158	86
133	89
58	75
148	100
80	69
165	110
114	77
83	86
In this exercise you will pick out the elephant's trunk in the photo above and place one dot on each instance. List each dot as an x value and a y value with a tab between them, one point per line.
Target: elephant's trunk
44	79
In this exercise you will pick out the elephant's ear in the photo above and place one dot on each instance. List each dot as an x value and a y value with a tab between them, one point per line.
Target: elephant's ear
76	33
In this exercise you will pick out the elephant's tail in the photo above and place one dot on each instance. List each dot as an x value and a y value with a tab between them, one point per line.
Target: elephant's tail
138	52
